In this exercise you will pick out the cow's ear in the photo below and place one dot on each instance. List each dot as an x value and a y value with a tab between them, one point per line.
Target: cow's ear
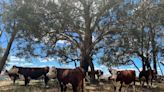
118	72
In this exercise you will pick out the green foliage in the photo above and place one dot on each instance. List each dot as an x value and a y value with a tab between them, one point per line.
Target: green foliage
87	27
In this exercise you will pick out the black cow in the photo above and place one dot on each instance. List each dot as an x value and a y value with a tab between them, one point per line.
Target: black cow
98	73
147	75
29	73
73	76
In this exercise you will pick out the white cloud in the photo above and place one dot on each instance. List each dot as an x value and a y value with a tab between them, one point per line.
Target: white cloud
47	59
27	64
14	58
63	42
102	66
93	38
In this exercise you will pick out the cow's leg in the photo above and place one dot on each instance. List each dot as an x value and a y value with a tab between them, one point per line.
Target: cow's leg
117	89
65	87
14	80
134	90
61	87
140	81
151	81
114	88
81	86
46	79
143	83
26	80
147	81
74	88
120	87
126	89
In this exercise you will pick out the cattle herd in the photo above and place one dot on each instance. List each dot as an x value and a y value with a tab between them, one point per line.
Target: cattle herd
77	75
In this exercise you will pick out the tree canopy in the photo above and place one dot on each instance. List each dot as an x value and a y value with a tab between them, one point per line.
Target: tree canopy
110	31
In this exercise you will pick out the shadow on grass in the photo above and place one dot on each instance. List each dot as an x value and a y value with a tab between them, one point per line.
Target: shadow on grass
53	86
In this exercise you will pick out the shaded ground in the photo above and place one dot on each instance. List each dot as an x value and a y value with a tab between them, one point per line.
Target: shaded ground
38	86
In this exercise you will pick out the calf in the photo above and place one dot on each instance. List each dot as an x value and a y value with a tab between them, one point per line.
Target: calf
98	73
73	76
29	73
123	76
147	75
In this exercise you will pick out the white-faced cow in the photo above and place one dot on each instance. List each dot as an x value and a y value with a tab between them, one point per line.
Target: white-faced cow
73	76
119	77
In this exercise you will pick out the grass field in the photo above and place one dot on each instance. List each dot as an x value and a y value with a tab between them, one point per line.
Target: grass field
38	86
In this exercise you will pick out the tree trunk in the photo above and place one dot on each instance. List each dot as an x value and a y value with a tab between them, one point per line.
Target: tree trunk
92	70
143	66
7	51
154	55
87	43
143	63
154	49
86	62
155	63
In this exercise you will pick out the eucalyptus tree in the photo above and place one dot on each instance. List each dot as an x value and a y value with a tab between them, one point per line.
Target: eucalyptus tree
14	19
148	19
6	53
39	24
117	47
78	22
142	32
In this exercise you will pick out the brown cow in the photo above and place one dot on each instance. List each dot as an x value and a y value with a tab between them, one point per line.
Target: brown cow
147	75
73	76
119	77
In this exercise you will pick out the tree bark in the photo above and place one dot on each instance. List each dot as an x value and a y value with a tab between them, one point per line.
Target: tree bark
7	51
154	54
92	70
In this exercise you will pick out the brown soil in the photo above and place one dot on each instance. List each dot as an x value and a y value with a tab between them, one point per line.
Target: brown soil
38	86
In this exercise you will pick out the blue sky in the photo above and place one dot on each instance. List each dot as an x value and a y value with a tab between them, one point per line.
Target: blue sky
41	62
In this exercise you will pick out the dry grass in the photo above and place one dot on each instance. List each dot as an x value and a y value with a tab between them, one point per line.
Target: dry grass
38	86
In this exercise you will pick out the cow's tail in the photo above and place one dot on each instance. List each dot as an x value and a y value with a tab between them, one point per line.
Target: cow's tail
83	85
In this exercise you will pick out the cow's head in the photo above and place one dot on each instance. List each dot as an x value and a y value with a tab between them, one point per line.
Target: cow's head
52	73
13	73
114	73
100	72
13	70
